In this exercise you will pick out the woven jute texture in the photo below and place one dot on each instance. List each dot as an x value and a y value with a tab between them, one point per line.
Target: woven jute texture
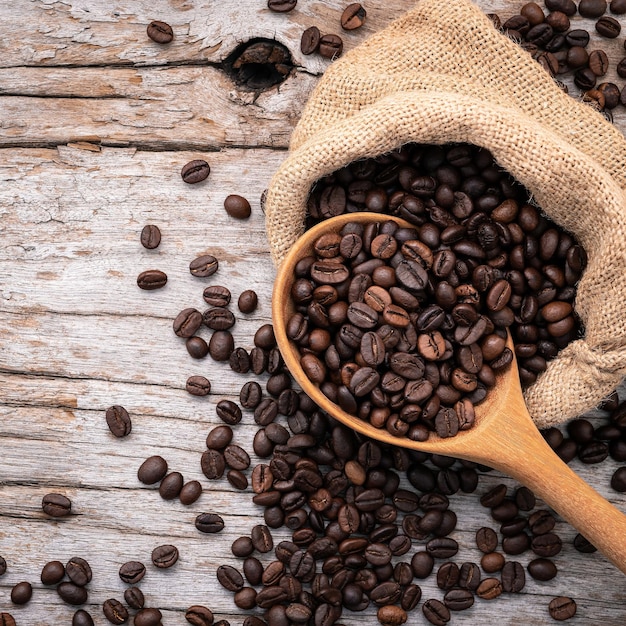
443	74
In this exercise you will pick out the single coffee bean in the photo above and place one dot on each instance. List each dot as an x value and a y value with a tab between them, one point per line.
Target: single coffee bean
592	8
198	386
542	569
3	566
330	46
132	572
187	322
229	412
164	556
218	318
52	573
170	486
148	617
565	6
598	62
618	7
198	615
6	619
458	599
21	593
391	615
513	577
151	279
118	421
204	266
248	301
195	171
281	6
115	611
190	492
78	571
583	545
577	37
152	470
160	32
436	612
310	41
608	27
209	523
353	16
80	618
212	464
618	479
72	594
237	207
562	608
546	545
150	236
221	345
486	540
134	598
56	505
489	589
230	578
262	538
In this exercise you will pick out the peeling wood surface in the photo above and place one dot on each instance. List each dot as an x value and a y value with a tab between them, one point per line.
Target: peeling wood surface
96	123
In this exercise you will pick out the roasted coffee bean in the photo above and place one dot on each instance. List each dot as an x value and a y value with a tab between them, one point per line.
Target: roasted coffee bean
546	545
198	386
492	562
21	593
458	599
52	573
513	577
230	578
164	556
151	279
148	617
608	27
330	46
150	236
216	295
489	589
56	505
198	615
598	62
262	538
592	8
542	569
281	6
618	479
160	32
80	618
115	611
134	598
562	608
218	318
204	266
72	594
436	612
6	619
353	16
152	470
236	457
310	41
132	572
565	6
78	571
237	206
247	302
229	412
469	576
171	485
442	547
195	171
197	347
118	421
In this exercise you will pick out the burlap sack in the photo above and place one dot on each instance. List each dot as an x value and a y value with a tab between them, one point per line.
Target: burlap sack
442	74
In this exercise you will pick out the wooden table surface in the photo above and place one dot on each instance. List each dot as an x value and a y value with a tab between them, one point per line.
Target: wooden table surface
96	122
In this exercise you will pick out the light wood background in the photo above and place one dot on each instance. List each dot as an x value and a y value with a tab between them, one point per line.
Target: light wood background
95	123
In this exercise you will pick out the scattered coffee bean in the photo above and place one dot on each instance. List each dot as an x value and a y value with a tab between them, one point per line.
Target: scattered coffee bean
56	505
198	615
197	347
81	618
6	619
195	171
562	608
132	572
148	617
237	207
115	611
160	32
151	279
190	492
187	322
204	266
330	46
618	480
118	421
310	41
542	569
248	301
198	386
164	556
353	16
21	593
281	6
150	236
171	485
134	598
52	573
78	571
209	523
152	470
436	612
72	594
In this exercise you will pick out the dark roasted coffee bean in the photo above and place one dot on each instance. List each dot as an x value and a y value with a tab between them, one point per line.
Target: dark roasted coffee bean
160	32
148	617
204	266
197	347
151	279
171	485
469	576
152	470
118	421
80	618
218	318
608	27
21	593
215	295
132	572
442	547
78	571
331	46
562	608
618	479
134	597
542	569
546	545
598	62
565	6
281	6
72	594
262	538
164	556
458	599
230	578
115	611
229	412
52	573
592	8
6	619
237	206
436	612
198	386
150	236
195	171
353	16
577	37
247	301
492	562
513	577
310	41
489	589
56	505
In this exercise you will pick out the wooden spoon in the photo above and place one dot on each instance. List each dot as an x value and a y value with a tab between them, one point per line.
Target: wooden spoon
503	437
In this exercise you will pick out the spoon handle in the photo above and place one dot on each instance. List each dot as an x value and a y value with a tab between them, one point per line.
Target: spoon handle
530	460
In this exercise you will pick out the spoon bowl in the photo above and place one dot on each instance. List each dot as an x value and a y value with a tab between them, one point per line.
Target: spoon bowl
503	436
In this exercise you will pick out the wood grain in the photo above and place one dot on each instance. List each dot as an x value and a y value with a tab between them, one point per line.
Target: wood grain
96	123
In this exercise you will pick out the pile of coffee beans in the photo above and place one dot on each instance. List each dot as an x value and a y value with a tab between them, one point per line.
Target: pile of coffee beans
552	38
479	235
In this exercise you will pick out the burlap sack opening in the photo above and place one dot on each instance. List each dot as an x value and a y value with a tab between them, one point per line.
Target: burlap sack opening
444	75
